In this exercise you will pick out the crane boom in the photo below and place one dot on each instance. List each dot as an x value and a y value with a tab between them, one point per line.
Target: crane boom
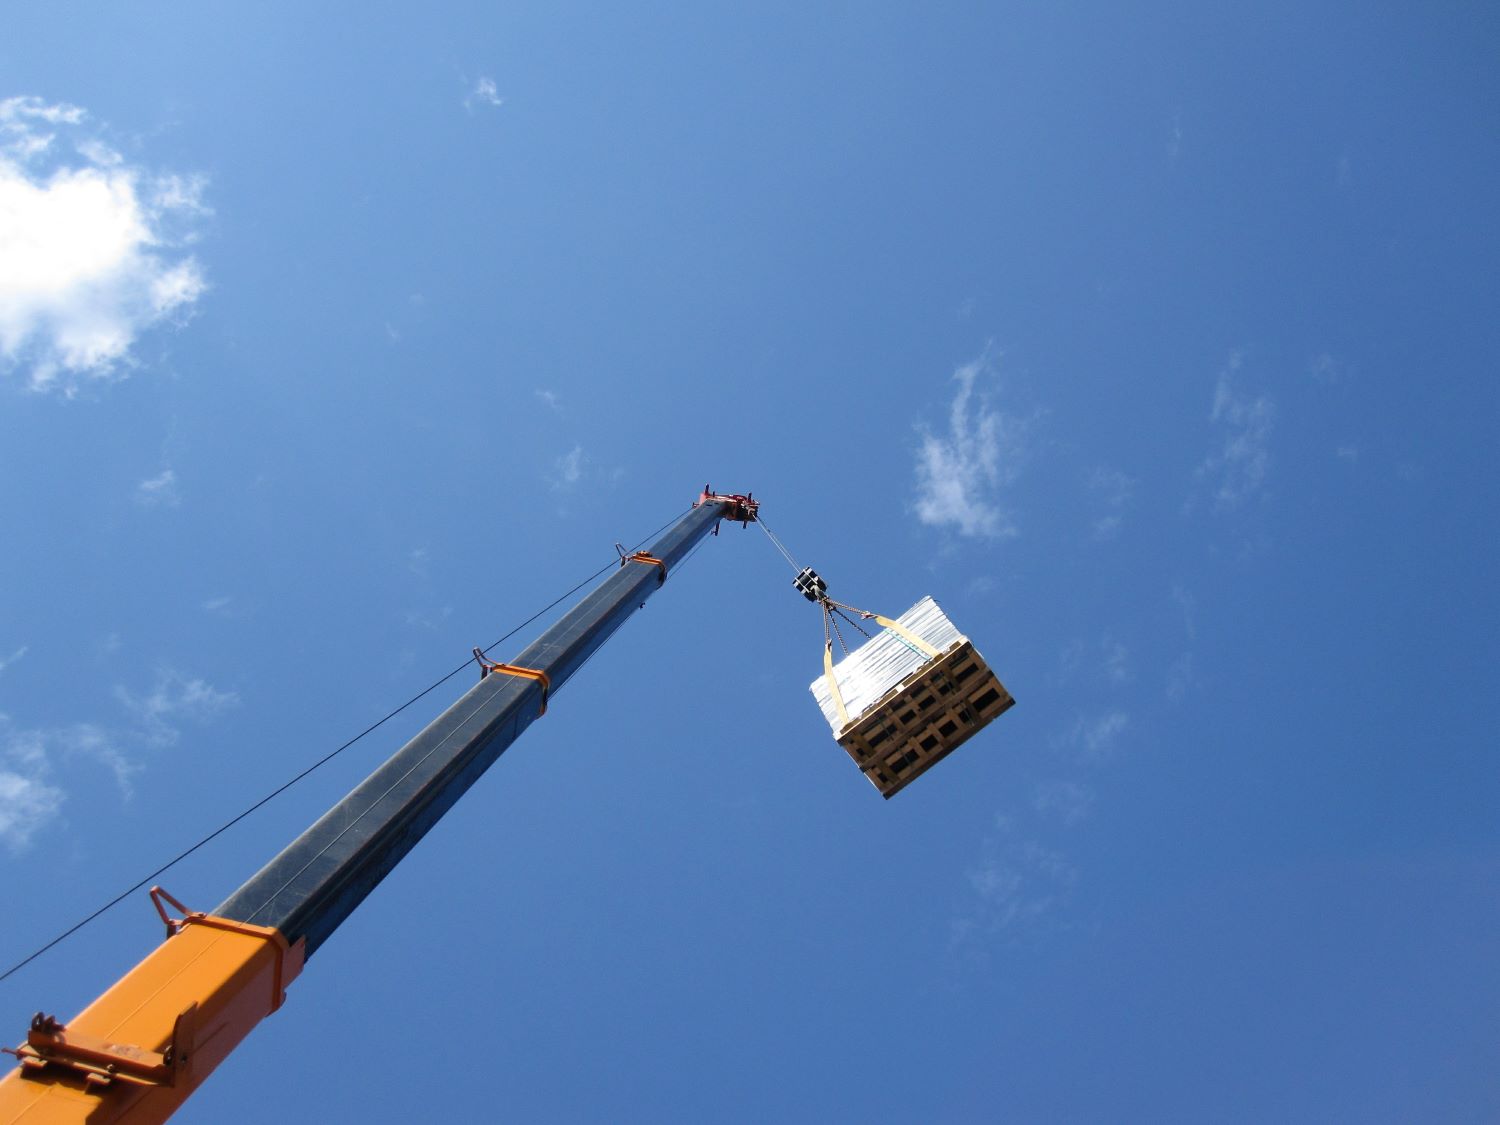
320	877
138	1051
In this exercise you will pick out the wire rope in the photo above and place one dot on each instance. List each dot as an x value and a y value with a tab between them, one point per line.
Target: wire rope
778	544
332	754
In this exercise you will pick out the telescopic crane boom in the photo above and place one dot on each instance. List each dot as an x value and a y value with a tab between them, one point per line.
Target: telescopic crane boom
142	1048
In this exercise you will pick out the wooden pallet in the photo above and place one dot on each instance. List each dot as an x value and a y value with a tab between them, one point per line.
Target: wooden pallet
924	718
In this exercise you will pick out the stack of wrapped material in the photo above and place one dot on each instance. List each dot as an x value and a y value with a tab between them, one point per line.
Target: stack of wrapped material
909	696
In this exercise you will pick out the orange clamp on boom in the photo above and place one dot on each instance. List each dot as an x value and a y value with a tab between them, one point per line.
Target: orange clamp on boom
487	666
649	560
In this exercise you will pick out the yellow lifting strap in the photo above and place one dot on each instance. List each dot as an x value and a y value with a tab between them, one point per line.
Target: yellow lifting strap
902	631
833	685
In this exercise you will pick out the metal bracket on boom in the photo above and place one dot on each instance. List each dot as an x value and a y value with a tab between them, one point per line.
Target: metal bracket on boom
101	1061
486	666
643	557
741	509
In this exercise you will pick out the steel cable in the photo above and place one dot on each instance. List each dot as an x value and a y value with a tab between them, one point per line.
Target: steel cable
778	544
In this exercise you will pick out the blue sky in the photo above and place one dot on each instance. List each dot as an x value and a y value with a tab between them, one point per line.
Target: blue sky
1159	346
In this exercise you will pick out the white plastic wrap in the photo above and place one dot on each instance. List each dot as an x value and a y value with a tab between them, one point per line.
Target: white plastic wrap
884	661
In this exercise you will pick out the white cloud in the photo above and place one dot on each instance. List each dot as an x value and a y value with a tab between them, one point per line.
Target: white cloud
1114	489
12	658
27	805
427	619
1066	800
173	699
1107	527
1184	600
979	585
29	799
569	468
1016	885
1112	656
1096	735
159	491
90	248
33	761
1180	677
549	398
1348	453
1325	368
484	92
960	474
1236	471
93	741
1116	661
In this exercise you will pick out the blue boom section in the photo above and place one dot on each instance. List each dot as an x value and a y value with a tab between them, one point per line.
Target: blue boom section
318	880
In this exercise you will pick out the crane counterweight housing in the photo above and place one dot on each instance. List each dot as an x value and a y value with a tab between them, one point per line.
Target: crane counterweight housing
909	696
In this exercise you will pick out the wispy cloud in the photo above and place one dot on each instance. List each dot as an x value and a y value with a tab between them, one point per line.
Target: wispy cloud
1067	801
1187	604
92	741
1326	368
962	473
569	468
1180	678
979	585
30	761
27	805
12	658
1108	658
1096	735
483	93
91	247
1116	661
174	699
1015	885
1113	489
159	491
35	761
427	619
1236	471
549	399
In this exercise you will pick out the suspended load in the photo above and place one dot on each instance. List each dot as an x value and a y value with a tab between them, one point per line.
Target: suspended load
908	696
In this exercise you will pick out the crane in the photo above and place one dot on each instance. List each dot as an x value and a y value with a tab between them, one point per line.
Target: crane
143	1047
